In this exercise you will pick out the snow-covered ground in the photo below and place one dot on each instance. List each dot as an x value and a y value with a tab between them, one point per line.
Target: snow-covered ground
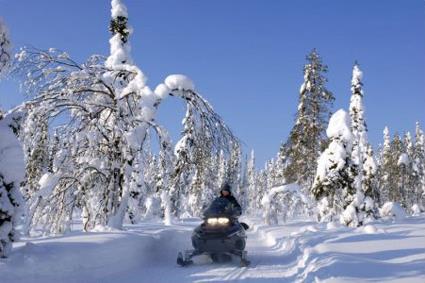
298	251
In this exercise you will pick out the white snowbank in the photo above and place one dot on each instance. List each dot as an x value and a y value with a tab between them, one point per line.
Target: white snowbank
179	82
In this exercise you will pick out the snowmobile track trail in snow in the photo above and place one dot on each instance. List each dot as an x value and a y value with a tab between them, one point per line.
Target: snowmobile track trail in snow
298	251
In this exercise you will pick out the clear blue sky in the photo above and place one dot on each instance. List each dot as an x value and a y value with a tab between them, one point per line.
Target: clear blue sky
246	56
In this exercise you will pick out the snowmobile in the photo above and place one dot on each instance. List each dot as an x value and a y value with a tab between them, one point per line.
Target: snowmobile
220	235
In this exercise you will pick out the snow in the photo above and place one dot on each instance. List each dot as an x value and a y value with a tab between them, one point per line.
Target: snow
118	9
403	159
357	75
339	126
162	91
12	165
416	210
47	183
179	82
392	210
289	188
300	251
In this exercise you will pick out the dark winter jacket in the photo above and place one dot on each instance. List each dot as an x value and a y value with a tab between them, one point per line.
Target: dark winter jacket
236	206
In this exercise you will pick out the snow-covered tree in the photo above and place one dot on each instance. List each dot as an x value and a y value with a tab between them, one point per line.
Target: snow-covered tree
409	171
5	53
107	109
11	174
419	167
334	187
222	167
234	167
184	168
307	137
35	129
11	162
361	154
385	167
252	184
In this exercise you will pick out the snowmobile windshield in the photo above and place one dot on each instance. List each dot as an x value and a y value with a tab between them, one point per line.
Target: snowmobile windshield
220	207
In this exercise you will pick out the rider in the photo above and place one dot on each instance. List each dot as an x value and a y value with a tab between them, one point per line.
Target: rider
226	192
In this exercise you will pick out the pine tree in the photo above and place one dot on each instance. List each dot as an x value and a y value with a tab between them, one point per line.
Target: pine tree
307	137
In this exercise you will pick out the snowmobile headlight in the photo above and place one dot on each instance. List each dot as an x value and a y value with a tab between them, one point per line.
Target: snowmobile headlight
223	220
212	221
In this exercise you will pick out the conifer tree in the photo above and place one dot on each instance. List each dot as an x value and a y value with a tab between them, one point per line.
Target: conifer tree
361	154
334	187
307	137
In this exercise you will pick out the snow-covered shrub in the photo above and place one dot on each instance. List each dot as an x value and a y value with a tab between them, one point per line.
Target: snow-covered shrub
392	210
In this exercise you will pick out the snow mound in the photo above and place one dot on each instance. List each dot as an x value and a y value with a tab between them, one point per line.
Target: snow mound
334	225
368	229
180	82
392	210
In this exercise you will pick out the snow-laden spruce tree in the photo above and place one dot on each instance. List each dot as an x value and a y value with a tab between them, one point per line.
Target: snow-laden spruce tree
35	129
11	163
307	137
396	176
234	167
107	109
419	167
222	169
11	174
5	47
362	155
333	186
184	168
252	190
384	169
410	176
